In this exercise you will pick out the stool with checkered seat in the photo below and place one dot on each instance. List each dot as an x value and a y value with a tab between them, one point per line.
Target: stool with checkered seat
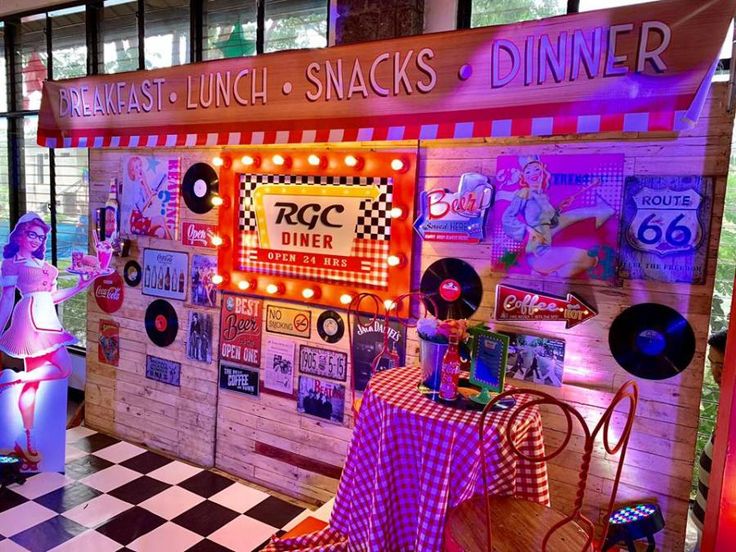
509	524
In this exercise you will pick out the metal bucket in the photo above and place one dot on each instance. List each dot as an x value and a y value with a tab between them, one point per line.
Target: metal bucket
430	359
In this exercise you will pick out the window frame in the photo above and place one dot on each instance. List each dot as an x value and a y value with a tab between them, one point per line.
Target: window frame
15	115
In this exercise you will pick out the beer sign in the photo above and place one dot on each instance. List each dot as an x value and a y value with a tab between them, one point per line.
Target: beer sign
241	329
460	216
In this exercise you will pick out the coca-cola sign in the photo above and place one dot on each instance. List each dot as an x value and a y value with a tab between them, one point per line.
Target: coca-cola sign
109	292
197	234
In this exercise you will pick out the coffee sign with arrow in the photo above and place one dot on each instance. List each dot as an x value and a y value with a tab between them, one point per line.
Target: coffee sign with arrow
521	304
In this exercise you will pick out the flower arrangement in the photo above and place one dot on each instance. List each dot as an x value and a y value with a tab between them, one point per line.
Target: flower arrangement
438	331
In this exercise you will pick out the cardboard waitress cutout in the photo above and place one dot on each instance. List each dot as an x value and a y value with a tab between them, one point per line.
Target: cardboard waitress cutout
33	402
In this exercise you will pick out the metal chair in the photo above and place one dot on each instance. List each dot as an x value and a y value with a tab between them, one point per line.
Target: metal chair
519	524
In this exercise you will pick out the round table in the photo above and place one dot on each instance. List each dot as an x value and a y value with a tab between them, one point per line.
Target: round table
411	459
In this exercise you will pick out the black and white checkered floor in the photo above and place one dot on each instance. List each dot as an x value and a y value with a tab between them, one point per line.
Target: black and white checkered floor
117	496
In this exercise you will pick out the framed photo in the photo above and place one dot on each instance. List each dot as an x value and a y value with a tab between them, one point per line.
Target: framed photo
203	292
108	350
199	336
322	399
323	362
165	273
279	368
488	365
535	359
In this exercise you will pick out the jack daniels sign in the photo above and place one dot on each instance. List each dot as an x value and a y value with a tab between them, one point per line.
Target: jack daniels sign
368	343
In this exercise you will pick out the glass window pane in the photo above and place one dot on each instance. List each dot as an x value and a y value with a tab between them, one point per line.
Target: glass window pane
3	74
69	43
33	60
590	5
120	36
4	183
36	175
72	206
295	24
167	33
229	29
499	12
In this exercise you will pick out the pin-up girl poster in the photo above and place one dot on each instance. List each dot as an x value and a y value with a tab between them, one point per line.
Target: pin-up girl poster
557	216
150	199
32	422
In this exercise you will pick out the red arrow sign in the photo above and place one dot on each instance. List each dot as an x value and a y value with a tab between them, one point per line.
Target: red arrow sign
522	304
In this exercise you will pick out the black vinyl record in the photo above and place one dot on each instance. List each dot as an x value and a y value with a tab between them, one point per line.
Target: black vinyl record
652	341
454	286
132	273
200	182
162	323
330	326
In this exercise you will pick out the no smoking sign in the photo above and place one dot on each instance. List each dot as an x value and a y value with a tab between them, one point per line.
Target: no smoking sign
288	321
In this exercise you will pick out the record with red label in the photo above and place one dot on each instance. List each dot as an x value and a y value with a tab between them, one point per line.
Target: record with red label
162	323
199	184
454	286
652	341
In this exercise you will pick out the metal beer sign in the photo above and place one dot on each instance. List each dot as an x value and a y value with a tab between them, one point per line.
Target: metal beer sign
456	216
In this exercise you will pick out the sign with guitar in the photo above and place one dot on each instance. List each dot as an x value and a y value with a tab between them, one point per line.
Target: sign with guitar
666	224
557	216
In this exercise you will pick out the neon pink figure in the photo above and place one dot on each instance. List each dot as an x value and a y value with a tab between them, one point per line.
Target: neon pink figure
35	333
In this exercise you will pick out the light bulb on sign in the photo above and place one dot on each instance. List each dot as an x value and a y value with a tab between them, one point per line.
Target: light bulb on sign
217	279
273	289
216	241
248	160
353	161
218	161
397	213
395	260
314	160
280	160
346	299
389	304
399	165
243	285
217	200
308	293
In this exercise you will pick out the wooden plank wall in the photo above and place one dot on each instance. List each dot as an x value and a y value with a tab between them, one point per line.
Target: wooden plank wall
266	441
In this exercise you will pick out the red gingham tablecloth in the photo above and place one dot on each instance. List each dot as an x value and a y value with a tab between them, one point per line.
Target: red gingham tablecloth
412	459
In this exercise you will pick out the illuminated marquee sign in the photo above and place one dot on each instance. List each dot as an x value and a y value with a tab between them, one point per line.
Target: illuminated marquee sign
320	233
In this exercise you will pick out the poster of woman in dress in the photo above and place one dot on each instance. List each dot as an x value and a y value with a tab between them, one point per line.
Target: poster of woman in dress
199	336
150	201
558	215
204	292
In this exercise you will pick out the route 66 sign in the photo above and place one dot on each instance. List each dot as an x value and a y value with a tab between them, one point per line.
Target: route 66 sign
666	222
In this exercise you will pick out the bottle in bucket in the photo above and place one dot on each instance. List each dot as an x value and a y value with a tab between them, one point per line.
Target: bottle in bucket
450	373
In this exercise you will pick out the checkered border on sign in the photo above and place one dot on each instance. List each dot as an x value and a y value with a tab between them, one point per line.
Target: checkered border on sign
374	220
